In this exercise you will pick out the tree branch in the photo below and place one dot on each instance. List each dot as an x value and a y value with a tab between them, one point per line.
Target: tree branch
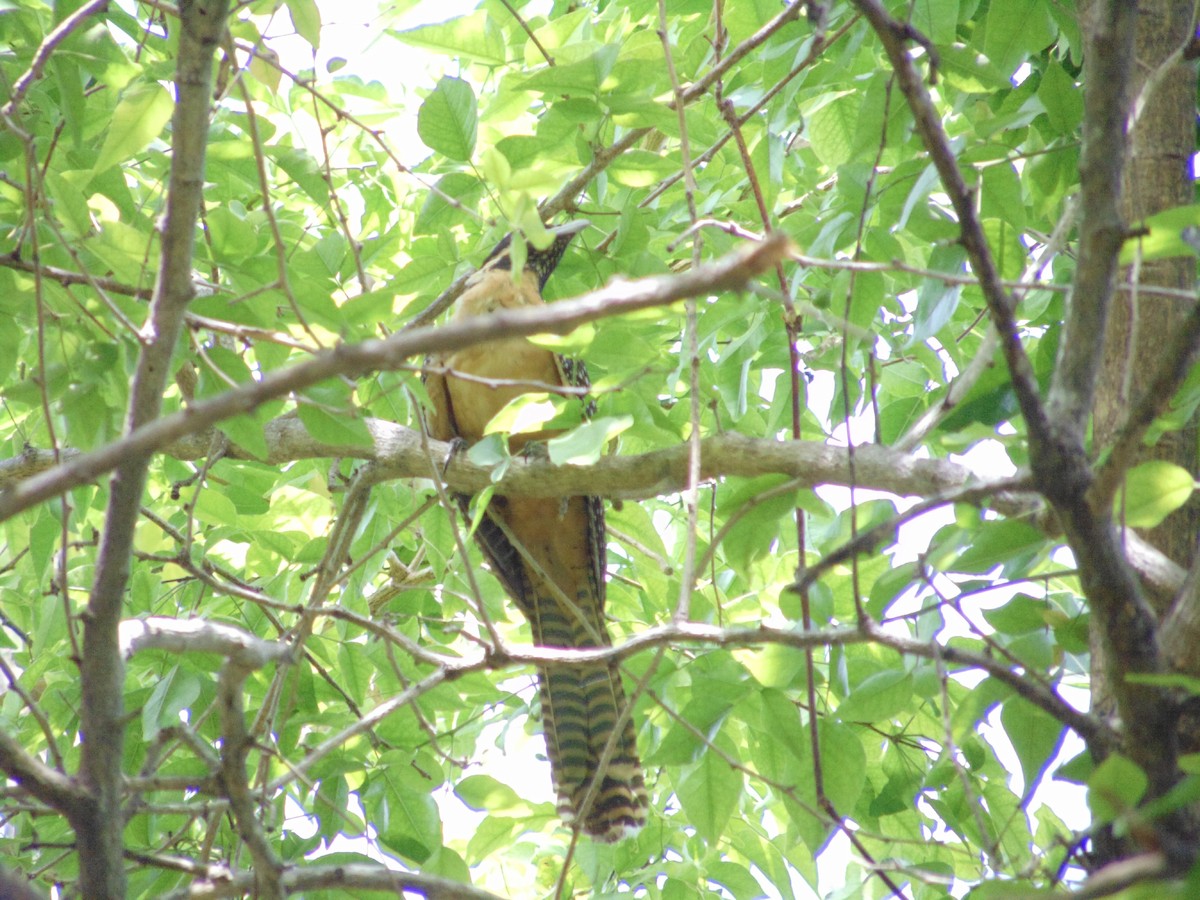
235	747
201	636
60	33
48	785
1127	626
353	877
1098	734
102	675
1108	66
369	720
730	273
398	452
894	36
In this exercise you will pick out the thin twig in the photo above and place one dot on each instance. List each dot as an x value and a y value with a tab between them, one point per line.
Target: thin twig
731	272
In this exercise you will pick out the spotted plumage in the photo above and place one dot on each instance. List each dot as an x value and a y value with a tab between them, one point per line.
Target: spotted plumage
548	553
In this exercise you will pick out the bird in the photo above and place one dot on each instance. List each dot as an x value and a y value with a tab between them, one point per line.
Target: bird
548	553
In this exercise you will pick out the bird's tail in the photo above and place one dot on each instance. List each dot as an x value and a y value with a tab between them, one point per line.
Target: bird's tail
581	706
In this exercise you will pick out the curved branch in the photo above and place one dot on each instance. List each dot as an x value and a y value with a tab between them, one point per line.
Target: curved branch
398	452
353	877
235	748
1108	73
49	785
241	647
60	33
730	273
1092	729
894	36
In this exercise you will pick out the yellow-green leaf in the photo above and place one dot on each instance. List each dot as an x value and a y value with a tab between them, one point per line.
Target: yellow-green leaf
138	119
1115	787
583	445
474	37
306	17
1153	490
447	119
524	414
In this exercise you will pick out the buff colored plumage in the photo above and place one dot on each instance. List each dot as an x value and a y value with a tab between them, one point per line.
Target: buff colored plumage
548	553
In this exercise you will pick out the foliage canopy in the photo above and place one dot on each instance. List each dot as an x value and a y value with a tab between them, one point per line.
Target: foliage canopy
821	674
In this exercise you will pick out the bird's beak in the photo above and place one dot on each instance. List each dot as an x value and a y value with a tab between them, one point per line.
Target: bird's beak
569	228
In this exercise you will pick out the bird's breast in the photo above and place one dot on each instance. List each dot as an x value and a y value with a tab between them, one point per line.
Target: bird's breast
497	372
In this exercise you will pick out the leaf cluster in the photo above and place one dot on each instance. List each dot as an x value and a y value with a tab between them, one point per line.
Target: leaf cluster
339	204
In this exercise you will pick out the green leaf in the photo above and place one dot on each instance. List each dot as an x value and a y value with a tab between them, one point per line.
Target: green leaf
483	792
44	539
773	666
1171	234
584	76
1062	99
306	18
970	72
445	863
879	697
215	508
759	516
448	119
304	170
844	781
70	201
233	236
1182	795
139	118
1115	787
525	414
1015	29
1035	735
832	129
937	299
708	793
490	451
640	168
173	693
414	826
867	294
936	19
335	430
1017	889
896	418
474	37
492	837
584	445
1188	683
483	499
998	542
1019	614
736	879
703	716
1001	194
1153	490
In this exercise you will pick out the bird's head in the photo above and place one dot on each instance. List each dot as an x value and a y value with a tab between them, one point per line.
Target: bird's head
540	262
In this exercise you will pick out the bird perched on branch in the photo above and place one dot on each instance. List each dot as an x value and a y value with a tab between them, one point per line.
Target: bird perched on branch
549	553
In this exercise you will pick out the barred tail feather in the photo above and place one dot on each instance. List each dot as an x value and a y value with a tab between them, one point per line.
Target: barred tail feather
580	708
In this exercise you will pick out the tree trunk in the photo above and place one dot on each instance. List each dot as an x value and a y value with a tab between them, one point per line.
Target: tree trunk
1158	177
